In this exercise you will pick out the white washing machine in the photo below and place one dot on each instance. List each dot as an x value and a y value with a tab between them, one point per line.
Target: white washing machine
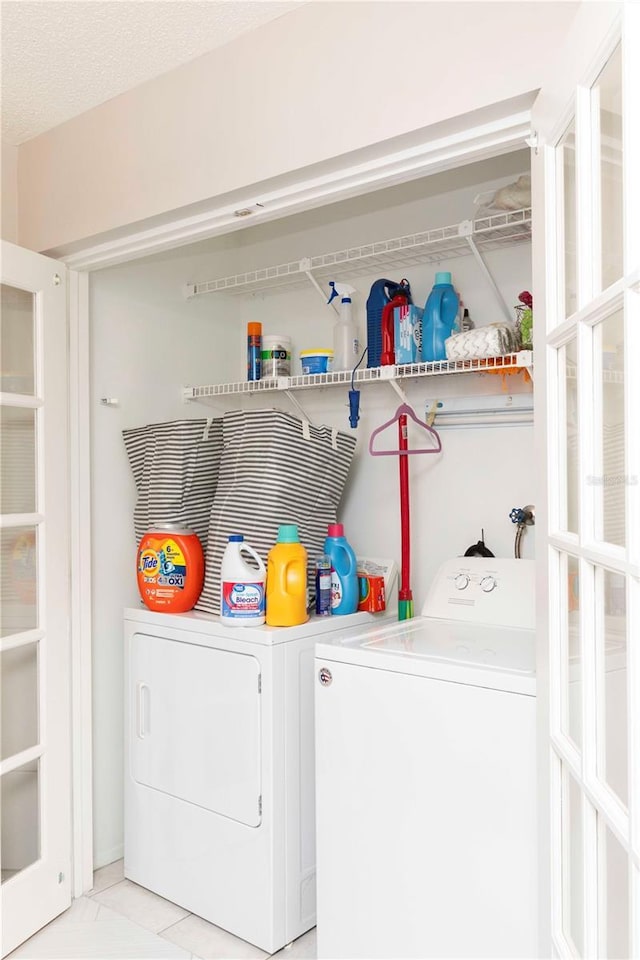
219	769
426	775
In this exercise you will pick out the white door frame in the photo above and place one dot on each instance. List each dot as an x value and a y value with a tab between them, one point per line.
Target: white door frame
81	596
500	129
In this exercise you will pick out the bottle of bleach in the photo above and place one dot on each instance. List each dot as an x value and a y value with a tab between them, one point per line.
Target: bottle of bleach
242	594
439	318
344	571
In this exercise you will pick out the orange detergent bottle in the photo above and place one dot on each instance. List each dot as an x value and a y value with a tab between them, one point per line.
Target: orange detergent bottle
170	569
287	579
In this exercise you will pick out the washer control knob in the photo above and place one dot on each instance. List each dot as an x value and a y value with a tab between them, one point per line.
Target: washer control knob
488	584
324	676
461	581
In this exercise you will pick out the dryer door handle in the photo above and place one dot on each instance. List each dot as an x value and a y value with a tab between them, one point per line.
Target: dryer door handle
142	690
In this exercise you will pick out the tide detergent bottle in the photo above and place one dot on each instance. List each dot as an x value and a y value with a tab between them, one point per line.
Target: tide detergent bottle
287	579
439	318
170	568
344	571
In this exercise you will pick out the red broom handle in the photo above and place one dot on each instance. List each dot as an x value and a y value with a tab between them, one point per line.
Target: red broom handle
405	535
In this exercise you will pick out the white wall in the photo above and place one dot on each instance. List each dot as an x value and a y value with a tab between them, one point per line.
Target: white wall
145	345
319	82
147	342
9	195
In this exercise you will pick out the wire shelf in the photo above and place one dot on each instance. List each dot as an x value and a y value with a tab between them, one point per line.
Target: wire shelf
430	246
523	360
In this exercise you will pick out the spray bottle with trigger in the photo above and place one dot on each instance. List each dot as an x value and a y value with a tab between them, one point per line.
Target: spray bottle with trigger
346	347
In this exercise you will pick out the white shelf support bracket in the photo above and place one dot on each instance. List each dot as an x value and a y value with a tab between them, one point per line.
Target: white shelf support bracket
525	359
305	266
389	374
466	230
305	416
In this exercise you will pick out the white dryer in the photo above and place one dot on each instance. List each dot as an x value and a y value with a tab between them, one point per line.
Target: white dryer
219	769
426	775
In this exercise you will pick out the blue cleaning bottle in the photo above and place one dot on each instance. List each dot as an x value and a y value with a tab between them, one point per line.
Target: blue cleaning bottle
344	571
439	319
382	292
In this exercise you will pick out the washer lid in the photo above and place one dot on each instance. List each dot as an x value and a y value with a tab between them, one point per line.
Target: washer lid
502	658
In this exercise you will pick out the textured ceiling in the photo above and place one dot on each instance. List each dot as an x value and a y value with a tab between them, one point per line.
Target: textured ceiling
62	57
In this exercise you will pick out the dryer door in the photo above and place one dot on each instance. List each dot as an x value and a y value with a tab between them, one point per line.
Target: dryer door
195	727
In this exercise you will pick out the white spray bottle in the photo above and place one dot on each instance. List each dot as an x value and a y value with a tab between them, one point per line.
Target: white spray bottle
346	347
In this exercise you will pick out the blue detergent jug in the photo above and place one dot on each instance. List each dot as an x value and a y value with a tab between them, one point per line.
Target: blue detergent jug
438	321
345	592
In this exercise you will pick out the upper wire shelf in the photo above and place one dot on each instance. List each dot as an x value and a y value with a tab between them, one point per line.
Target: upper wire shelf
443	243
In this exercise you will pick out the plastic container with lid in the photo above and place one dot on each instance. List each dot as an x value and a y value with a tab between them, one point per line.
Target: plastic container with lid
170	569
242	594
316	361
287	579
345	592
276	355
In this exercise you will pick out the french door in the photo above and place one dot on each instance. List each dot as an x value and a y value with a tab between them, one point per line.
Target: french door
587	278
35	848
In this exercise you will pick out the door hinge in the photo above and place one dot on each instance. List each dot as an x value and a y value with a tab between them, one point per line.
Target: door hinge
260	805
259	683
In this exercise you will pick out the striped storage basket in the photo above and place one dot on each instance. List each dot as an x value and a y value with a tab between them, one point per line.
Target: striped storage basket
275	469
175	467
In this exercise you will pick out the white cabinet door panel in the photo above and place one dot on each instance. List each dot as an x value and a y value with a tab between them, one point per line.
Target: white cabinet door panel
195	717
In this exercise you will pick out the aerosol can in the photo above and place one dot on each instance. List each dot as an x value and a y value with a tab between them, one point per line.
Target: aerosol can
346	346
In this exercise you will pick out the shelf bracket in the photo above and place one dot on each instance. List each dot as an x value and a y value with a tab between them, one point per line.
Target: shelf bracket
525	359
466	230
305	266
389	375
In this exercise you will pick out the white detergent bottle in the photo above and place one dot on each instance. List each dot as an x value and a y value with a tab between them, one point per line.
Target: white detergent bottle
346	346
242	585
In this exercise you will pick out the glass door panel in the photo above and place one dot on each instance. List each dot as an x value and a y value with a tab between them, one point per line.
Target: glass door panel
610	442
18	465
18	580
608	94
613	871
612	657
20	817
573	862
568	357
17	341
574	669
19	691
567	151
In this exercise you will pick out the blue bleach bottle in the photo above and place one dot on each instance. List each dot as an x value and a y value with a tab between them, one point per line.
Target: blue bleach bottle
344	573
439	318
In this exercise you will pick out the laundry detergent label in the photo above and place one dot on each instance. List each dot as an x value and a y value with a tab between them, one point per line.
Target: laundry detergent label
242	600
163	563
336	590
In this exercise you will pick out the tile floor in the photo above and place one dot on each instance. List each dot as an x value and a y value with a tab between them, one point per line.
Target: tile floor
118	920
